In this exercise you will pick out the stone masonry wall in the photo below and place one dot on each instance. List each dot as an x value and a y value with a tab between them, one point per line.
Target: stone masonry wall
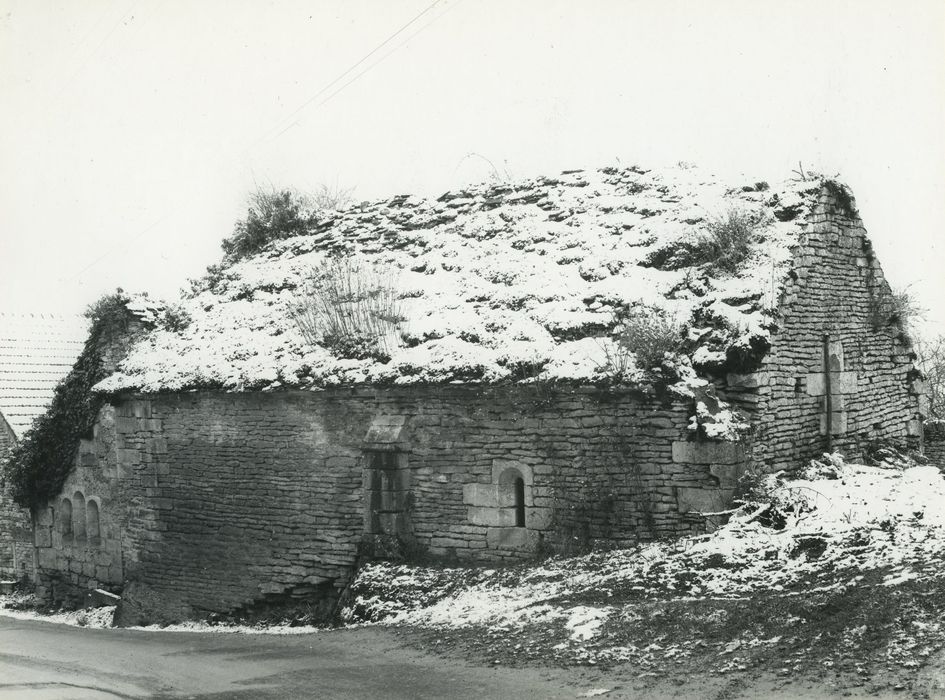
837	288
16	551
78	536
227	501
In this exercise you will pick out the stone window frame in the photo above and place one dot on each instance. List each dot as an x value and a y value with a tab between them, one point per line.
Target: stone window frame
78	517
93	514
64	519
504	502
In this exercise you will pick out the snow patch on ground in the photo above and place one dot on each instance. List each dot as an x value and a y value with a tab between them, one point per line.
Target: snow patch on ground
840	521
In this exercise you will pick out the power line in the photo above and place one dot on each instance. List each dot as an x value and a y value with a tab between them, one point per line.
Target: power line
311	99
341	76
379	60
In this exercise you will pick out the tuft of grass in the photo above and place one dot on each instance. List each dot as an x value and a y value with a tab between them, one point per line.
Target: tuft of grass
726	242
350	307
642	341
723	245
900	307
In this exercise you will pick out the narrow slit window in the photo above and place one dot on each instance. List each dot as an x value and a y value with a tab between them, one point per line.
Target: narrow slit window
519	502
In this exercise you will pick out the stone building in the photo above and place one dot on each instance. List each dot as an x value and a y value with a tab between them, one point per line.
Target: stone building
36	351
592	358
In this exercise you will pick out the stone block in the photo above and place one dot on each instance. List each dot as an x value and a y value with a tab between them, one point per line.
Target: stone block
539	518
748	381
840	383
386	430
513	538
708	452
838	423
502	468
727	474
489	495
491	517
98	598
914	428
702	500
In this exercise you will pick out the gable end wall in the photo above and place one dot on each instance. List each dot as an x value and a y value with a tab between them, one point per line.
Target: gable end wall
835	288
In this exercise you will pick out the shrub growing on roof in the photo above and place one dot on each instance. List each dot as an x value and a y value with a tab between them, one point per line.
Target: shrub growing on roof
642	341
350	307
726	242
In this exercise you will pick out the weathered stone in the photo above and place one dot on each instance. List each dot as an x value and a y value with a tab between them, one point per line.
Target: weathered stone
492	517
691	452
489	495
747	381
514	538
840	383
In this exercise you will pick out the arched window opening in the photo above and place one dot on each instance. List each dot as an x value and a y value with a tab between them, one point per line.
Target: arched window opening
519	502
78	515
65	518
92	529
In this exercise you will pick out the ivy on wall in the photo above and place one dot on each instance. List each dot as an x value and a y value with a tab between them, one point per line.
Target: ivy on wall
39	465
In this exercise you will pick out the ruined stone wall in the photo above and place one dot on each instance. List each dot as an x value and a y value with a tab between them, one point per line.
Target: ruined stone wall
225	501
835	287
16	551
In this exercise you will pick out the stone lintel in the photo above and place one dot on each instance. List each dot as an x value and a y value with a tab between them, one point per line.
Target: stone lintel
385	430
708	452
727	474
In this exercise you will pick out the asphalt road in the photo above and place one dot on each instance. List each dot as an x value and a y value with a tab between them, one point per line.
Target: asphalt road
41	660
46	661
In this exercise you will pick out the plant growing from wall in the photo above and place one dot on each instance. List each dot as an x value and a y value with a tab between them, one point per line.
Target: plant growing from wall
642	341
350	307
41	462
842	196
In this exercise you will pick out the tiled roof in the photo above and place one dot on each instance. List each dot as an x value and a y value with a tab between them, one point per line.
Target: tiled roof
36	352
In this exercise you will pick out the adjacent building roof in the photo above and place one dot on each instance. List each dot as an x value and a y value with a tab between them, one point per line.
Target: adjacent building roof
36	352
505	281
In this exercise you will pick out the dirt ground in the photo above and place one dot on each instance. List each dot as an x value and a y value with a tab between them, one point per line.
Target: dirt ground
40	660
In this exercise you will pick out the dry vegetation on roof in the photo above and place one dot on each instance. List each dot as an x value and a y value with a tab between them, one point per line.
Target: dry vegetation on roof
495	282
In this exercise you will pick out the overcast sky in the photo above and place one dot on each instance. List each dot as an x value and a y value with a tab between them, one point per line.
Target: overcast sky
131	131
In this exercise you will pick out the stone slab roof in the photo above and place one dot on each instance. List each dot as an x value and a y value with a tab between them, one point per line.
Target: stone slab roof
496	282
36	352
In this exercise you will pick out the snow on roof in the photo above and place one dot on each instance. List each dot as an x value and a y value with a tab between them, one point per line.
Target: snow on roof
493	278
36	352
